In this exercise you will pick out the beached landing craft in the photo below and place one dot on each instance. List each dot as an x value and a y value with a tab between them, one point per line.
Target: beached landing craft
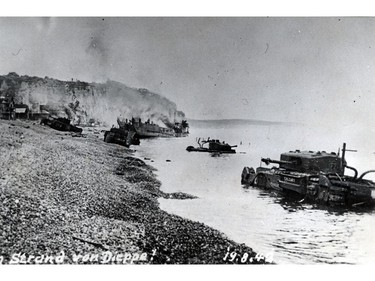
317	177
213	146
149	129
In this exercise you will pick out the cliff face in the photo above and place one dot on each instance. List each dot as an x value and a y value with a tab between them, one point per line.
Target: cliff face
87	102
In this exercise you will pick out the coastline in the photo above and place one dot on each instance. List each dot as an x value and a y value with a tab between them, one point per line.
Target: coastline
82	196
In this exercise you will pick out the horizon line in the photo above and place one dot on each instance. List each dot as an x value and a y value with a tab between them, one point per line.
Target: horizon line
241	119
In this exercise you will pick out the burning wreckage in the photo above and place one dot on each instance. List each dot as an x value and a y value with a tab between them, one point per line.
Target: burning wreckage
10	110
317	177
129	132
149	129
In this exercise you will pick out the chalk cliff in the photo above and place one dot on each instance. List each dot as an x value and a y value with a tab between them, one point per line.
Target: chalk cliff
85	102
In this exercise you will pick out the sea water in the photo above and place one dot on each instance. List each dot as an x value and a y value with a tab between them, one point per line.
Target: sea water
293	232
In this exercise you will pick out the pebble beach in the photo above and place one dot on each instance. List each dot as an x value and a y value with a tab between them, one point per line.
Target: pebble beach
89	202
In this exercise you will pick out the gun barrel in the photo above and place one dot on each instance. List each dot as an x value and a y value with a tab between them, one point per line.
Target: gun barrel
268	161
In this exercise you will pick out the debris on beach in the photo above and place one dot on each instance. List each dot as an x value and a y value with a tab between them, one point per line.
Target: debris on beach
84	197
60	124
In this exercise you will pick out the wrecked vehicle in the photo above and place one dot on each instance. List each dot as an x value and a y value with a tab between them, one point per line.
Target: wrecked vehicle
121	137
316	177
60	124
125	135
213	146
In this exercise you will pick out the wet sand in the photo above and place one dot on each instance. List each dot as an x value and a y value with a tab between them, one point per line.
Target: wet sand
81	196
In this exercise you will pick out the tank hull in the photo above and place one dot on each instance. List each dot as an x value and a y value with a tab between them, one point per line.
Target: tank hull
328	190
204	149
121	137
61	124
213	146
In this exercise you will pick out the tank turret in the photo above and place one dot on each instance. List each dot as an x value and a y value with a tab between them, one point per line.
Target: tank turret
309	162
315	175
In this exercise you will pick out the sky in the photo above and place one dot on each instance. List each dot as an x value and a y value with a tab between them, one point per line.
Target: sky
307	70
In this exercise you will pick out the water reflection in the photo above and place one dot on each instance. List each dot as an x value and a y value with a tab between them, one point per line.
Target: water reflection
295	231
311	233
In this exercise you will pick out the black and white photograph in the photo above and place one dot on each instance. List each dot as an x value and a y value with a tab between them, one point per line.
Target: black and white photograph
149	140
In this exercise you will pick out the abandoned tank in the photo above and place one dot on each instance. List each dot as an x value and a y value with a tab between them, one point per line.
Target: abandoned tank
317	177
121	137
60	124
214	146
124	135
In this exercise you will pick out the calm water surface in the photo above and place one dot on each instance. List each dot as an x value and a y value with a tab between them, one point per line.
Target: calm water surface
295	233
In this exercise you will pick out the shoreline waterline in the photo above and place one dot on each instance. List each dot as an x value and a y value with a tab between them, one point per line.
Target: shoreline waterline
297	233
83	196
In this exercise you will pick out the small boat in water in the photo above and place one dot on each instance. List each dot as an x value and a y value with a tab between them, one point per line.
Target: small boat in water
214	146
